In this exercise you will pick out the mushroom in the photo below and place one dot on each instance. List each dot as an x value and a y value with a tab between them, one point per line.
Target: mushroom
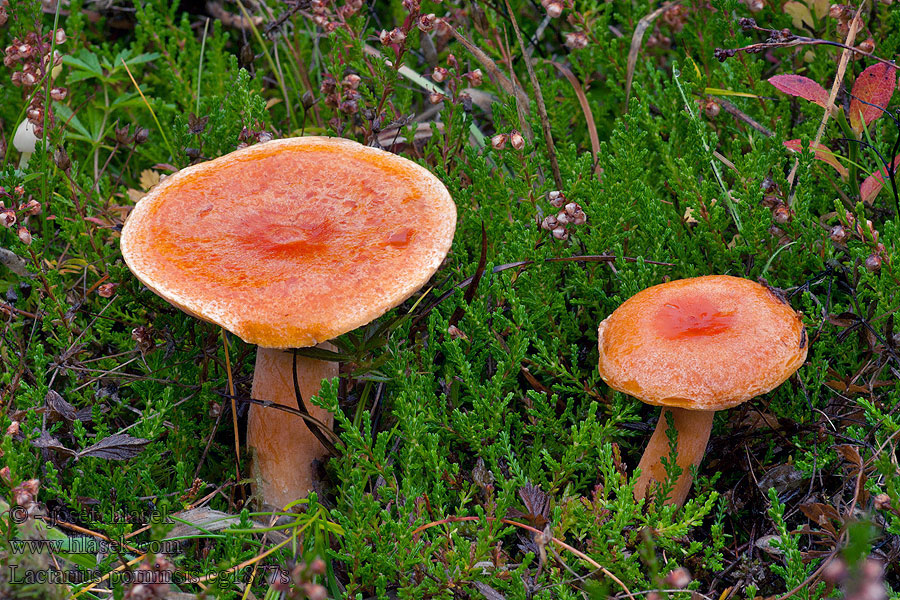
25	141
288	244
695	346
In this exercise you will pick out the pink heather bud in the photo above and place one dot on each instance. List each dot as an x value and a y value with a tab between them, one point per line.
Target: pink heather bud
397	36
29	79
452	62
678	578
498	142
317	566
351	81
3	16
572	208
24	50
384	37
411	5
24	235
554	10
35	114
19	190
576	40
107	290
5	475
60	36
435	98
560	233
59	93
712	109
439	74
475	77
563	218
13	429
426	22
7	218
516	140
556	198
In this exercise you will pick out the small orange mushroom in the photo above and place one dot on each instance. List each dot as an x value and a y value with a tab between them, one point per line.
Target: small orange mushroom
288	244
695	346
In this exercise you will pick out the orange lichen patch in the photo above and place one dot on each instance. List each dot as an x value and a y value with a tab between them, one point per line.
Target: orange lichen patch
706	343
292	242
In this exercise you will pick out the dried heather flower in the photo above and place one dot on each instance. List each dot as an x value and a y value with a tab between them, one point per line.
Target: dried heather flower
873	263
7	218
498	142
351	81
396	36
24	235
107	290
782	214
475	77
576	40
556	198
516	140
426	22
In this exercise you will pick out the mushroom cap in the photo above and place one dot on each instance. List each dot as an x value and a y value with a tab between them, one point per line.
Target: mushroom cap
705	343
25	140
292	242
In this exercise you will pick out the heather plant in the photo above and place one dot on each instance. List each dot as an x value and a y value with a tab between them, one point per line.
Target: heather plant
593	149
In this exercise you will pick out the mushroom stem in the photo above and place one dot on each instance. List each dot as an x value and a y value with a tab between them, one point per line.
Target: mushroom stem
693	427
284	447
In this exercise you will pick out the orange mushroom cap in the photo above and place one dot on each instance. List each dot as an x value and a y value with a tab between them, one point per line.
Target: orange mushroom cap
292	242
706	343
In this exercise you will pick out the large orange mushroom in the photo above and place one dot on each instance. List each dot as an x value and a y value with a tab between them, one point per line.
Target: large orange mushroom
288	244
695	346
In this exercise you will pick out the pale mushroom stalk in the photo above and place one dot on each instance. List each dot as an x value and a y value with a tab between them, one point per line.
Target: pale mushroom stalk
693	427
285	449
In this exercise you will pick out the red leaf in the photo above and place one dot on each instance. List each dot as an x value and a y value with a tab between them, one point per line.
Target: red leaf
804	87
876	86
874	182
822	153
